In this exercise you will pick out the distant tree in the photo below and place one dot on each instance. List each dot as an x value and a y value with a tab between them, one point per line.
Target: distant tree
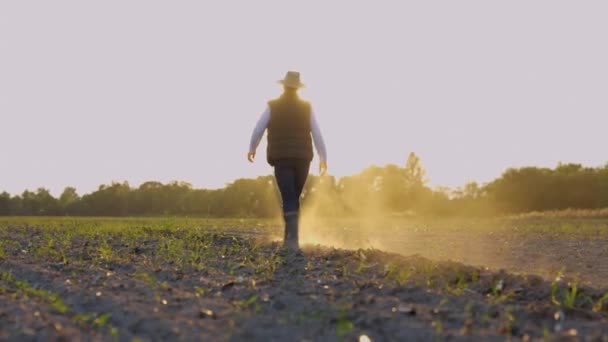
40	202
396	188
69	201
108	200
517	189
148	199
414	172
5	203
68	196
199	202
249	198
538	189
374	191
436	202
321	196
174	200
472	190
362	193
16	206
47	203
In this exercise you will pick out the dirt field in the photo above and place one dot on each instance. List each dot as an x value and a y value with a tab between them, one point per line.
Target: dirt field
159	279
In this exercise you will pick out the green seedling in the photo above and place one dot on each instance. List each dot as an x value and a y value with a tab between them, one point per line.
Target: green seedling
84	317
199	291
547	333
26	290
599	305
101	320
149	279
438	327
510	320
497	287
399	274
554	290
343	325
114	332
156	287
106	252
250	303
570	297
485	318
344	271
461	284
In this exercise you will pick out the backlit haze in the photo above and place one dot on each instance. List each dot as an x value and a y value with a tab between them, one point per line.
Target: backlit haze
92	92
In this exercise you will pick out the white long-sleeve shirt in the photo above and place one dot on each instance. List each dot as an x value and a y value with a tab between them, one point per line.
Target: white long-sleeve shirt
262	124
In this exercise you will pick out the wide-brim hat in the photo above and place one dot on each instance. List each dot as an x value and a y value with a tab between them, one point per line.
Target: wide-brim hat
292	80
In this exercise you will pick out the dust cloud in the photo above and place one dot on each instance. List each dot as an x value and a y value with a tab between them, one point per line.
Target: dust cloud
495	243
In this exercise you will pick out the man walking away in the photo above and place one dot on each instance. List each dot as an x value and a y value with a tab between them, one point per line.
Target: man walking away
290	122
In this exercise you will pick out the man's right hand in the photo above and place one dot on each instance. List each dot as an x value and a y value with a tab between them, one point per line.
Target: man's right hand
251	156
322	168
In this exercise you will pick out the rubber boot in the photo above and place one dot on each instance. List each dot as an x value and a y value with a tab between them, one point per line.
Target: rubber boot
291	232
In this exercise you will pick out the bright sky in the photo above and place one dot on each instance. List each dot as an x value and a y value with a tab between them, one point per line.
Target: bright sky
92	92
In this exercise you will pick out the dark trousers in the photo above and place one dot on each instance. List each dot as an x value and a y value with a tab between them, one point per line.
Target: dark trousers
291	176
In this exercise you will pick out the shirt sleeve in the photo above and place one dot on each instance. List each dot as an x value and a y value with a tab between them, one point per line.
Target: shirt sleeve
259	130
317	137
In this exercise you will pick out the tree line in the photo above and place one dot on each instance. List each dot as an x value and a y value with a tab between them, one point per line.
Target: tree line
390	189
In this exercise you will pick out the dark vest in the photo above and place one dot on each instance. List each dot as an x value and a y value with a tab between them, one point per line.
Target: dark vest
289	130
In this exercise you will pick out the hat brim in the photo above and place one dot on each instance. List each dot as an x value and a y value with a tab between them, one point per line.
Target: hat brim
291	85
